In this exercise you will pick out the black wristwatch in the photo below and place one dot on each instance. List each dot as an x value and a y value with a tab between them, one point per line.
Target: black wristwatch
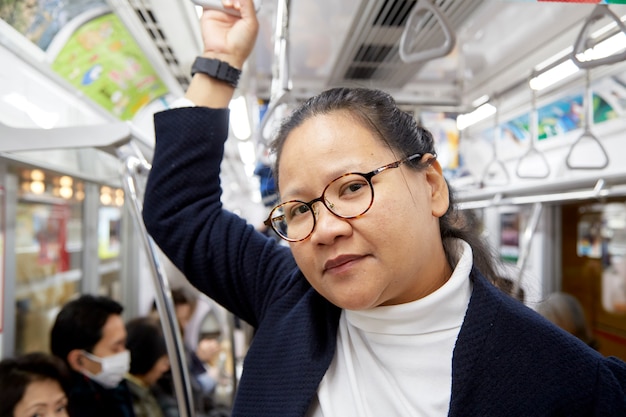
217	69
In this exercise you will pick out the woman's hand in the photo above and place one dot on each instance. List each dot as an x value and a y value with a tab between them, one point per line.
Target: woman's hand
227	37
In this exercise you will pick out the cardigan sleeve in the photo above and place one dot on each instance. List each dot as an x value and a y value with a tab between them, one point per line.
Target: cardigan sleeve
611	388
217	251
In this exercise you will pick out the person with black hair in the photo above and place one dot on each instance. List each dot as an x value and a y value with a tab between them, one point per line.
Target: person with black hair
90	336
33	385
148	362
202	384
384	303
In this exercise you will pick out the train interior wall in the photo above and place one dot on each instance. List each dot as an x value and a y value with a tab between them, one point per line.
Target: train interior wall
557	259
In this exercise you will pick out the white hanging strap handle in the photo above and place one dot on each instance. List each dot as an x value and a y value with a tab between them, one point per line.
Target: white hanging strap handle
587	133
415	23
495	161
583	40
532	152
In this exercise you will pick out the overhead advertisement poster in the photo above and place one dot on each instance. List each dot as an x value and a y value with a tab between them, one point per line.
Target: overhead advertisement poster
102	60
40	20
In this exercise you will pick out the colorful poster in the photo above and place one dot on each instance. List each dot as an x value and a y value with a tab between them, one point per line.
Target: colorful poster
109	232
40	20
103	60
589	241
446	136
509	236
562	116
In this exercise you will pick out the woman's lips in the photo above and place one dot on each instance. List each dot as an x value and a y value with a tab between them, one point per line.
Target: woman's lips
339	261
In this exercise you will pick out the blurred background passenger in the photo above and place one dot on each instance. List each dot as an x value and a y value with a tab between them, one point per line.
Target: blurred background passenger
202	384
148	362
33	385
89	334
565	311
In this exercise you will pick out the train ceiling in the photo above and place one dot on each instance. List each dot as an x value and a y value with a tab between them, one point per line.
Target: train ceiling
330	43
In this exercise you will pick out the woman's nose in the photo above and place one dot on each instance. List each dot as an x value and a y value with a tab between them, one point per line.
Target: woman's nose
328	226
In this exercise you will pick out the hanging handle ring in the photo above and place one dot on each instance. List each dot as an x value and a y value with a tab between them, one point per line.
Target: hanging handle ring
587	133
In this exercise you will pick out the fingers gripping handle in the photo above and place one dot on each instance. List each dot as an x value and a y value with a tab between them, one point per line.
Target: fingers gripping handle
217	5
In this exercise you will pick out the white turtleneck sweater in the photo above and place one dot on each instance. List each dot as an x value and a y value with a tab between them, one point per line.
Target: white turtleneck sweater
397	360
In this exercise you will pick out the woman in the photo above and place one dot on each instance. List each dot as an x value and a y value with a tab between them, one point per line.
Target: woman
33	385
380	305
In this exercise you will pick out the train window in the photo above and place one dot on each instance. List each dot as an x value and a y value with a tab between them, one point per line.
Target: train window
614	262
593	263
48	250
109	240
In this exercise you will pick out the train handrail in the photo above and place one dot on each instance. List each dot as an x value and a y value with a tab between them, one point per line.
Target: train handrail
532	149
587	133
583	40
107	137
281	76
527	240
133	165
425	6
495	161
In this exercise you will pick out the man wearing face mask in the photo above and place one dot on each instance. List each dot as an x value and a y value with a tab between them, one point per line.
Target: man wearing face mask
89	334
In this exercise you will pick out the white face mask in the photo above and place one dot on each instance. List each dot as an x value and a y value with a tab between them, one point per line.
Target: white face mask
114	368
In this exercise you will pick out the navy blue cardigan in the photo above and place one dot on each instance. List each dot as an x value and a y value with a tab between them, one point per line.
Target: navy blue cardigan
508	361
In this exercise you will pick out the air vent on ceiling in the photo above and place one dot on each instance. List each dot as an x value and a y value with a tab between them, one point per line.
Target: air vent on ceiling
151	24
372	52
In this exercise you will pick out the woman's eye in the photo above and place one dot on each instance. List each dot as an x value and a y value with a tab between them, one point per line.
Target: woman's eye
299	210
352	188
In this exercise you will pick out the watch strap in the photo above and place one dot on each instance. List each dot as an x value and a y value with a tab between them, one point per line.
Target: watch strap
217	69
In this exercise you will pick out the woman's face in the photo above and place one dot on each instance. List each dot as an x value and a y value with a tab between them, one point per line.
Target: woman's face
42	398
392	254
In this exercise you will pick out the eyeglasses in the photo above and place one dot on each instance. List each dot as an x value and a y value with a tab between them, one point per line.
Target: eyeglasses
348	197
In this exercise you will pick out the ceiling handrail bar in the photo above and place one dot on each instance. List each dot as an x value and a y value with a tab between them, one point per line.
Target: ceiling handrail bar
281	76
534	137
599	191
495	161
583	41
412	27
106	137
134	165
587	133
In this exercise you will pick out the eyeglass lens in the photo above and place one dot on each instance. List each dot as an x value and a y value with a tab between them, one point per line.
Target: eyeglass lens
348	196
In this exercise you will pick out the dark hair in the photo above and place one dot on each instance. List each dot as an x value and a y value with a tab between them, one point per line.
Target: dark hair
146	344
17	373
377	111
180	296
79	324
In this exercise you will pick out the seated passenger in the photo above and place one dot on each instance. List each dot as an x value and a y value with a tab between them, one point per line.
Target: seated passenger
33	385
90	336
202	384
565	311
148	362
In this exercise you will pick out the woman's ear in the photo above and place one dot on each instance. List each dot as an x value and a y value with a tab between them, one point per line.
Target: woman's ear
75	360
440	197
